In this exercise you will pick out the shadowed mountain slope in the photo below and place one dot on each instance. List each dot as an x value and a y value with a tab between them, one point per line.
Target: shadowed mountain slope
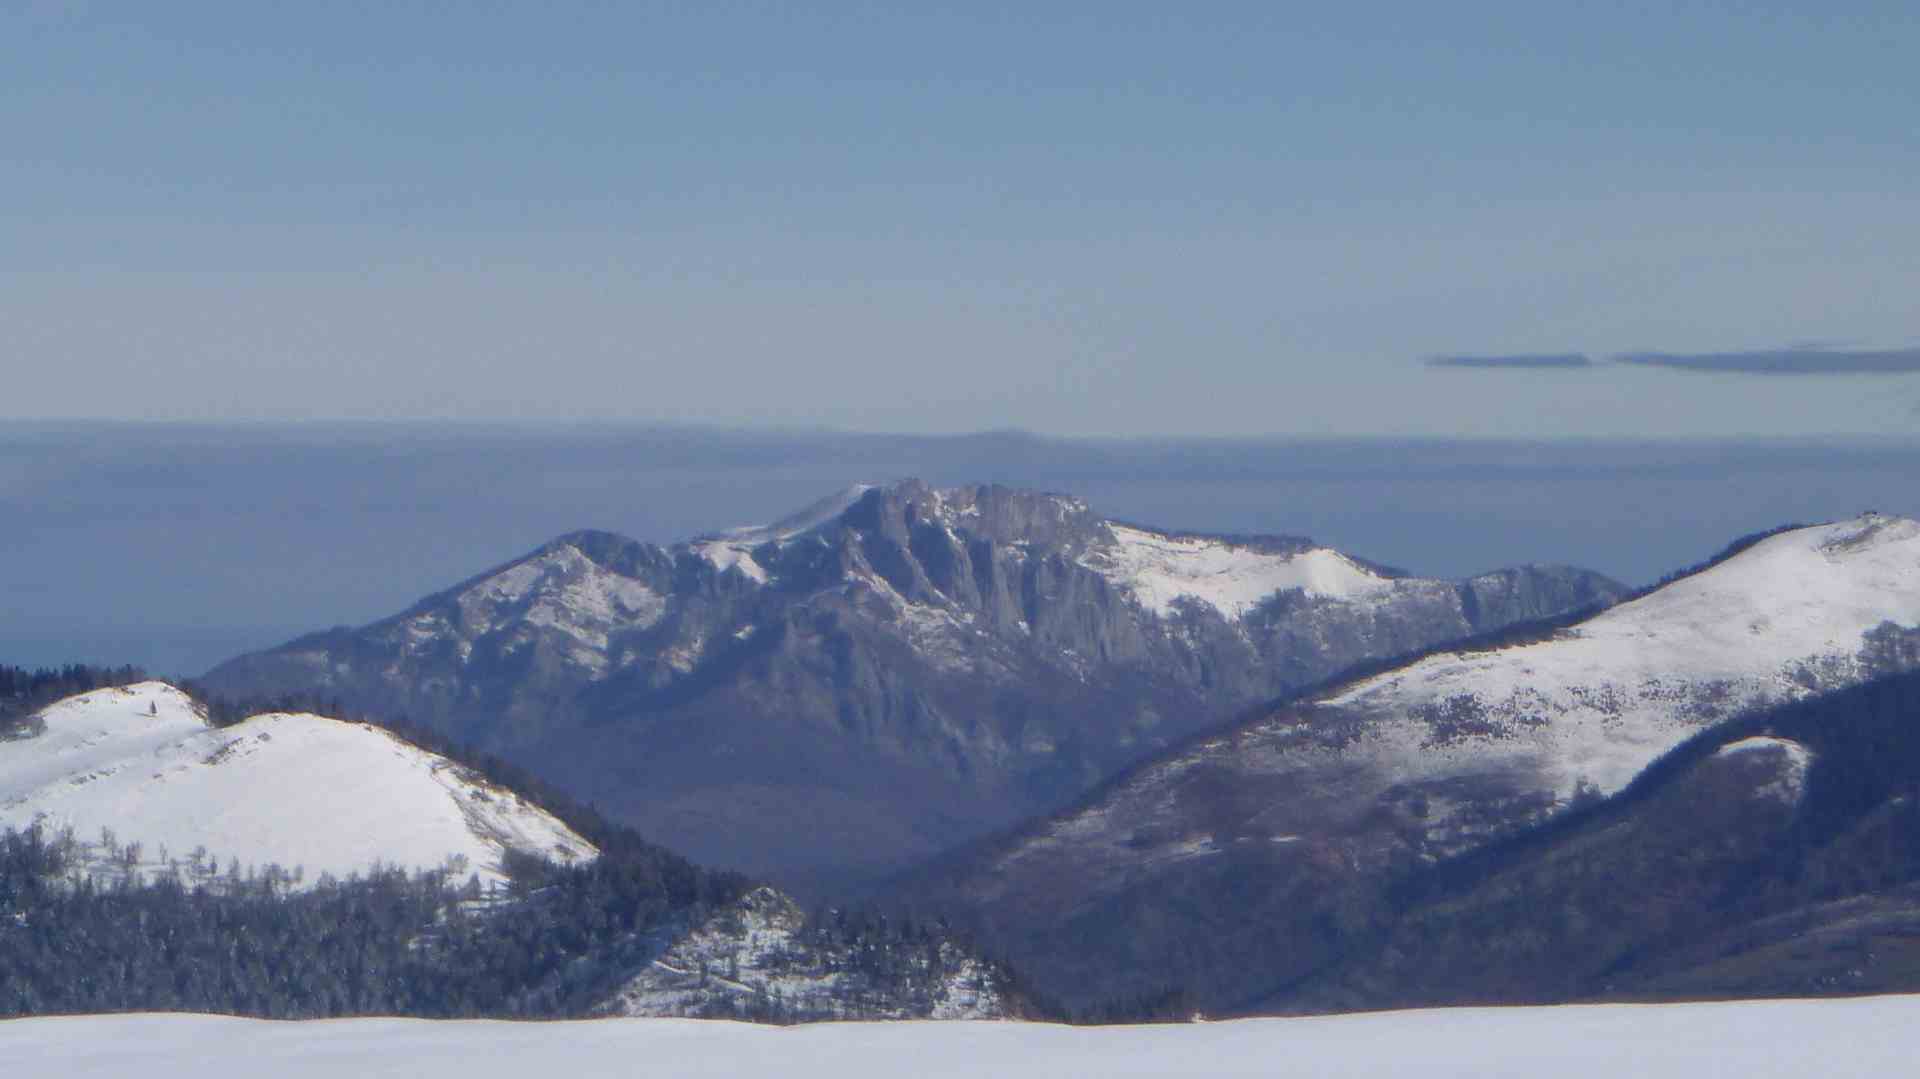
1242	861
886	673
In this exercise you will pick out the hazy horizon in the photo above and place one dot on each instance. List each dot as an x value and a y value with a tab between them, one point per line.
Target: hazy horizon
176	546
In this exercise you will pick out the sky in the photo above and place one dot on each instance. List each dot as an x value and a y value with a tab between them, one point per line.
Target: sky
1079	219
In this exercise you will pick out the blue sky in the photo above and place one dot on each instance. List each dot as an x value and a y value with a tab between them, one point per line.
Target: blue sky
1080	219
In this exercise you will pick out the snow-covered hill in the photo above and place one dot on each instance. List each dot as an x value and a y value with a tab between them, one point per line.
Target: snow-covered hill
1869	1037
148	790
901	667
303	792
1298	808
1792	615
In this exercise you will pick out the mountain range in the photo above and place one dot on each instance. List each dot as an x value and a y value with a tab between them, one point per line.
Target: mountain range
884	674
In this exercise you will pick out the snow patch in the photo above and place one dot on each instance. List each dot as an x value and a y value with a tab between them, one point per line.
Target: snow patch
560	590
1160	570
684	656
727	555
1796	759
559	587
733	549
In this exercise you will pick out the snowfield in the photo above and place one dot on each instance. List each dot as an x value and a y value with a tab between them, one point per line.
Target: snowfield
1786	618
733	549
293	790
1232	579
1873	1036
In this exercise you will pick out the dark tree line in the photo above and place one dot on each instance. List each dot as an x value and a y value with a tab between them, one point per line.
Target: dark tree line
24	691
389	943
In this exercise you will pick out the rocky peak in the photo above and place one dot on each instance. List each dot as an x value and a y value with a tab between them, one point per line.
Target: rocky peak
1002	515
985	650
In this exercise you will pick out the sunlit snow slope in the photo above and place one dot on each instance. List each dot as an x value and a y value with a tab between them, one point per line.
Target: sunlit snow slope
1874	1036
1789	616
1473	738
294	790
1160	570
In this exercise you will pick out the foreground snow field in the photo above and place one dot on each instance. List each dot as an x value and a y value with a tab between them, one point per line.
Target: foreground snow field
1876	1036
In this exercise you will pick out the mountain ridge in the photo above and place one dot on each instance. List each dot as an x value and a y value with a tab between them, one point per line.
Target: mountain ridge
942	661
1303	807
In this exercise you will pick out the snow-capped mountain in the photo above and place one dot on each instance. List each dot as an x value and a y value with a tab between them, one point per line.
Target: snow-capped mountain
141	764
885	673
1285	821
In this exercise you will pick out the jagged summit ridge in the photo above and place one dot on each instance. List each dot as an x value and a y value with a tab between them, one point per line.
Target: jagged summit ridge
934	557
1158	569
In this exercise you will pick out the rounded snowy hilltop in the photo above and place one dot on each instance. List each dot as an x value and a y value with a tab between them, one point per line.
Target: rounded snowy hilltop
139	770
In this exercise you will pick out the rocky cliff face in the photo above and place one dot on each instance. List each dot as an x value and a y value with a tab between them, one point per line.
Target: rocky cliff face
888	672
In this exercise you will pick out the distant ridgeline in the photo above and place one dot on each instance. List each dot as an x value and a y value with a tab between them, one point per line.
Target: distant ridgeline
559	941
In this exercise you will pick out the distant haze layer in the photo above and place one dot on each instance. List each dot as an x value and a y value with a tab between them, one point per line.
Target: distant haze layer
175	547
